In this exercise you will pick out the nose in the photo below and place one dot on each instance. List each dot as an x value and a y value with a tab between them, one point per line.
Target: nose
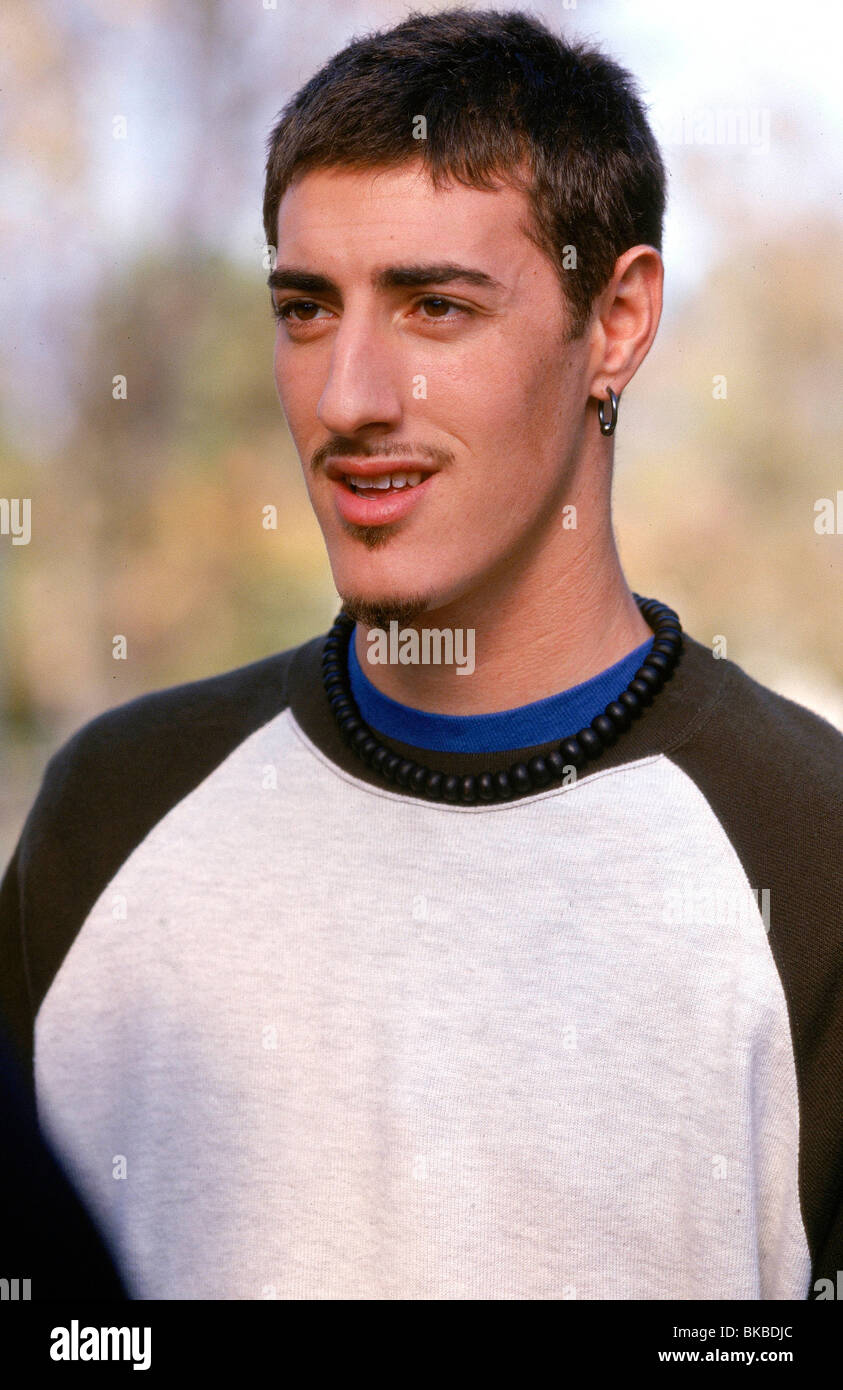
363	385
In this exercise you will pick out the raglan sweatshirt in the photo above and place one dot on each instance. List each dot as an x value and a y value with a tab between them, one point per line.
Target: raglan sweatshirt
297	1033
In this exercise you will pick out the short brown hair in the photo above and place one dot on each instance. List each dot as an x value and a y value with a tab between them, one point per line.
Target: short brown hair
504	100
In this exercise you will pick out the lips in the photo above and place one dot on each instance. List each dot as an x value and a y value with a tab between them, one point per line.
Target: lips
376	507
371	493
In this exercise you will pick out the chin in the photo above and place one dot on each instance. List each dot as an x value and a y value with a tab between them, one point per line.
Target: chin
379	610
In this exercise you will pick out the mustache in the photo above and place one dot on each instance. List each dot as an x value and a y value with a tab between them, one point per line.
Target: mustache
350	448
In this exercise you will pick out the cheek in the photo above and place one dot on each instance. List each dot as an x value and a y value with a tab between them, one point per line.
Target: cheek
293	394
513	425
283	377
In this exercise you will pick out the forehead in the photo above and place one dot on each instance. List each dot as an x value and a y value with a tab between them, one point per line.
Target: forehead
348	215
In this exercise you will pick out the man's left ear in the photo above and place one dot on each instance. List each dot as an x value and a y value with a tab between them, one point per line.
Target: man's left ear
629	317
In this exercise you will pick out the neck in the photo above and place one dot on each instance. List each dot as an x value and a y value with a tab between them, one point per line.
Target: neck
539	628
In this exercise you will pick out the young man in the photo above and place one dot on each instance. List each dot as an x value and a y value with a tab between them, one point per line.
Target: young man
510	977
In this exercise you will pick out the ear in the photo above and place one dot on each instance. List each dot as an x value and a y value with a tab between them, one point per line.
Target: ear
626	319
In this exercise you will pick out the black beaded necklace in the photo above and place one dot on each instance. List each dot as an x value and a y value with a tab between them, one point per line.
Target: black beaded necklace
486	787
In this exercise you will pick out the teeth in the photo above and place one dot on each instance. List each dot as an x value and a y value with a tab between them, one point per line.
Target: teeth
364	483
395	480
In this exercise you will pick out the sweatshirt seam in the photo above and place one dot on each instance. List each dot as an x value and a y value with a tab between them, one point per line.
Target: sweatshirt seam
696	724
702	716
492	807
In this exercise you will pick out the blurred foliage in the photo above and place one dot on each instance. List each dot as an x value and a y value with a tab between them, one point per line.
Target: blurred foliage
151	522
715	497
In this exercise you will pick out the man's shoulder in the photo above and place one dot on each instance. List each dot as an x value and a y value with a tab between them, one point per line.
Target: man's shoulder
758	723
164	742
245	697
771	769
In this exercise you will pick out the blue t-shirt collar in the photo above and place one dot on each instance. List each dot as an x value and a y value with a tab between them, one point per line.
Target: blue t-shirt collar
526	726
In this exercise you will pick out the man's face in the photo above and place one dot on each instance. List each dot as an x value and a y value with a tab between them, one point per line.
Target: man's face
388	362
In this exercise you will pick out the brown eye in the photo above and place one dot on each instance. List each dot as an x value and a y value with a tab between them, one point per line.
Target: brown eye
305	310
445	304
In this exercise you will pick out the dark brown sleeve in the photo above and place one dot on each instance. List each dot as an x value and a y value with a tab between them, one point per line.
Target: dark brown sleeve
773	774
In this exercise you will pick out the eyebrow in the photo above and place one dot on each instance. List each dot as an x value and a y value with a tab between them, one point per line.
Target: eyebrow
289	277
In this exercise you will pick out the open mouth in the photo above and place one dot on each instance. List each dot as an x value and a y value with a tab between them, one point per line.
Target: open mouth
384	484
364	497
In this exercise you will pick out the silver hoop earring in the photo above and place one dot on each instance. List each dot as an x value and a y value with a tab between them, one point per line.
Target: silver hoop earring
608	427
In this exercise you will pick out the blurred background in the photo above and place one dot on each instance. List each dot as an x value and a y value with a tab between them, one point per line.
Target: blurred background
133	139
